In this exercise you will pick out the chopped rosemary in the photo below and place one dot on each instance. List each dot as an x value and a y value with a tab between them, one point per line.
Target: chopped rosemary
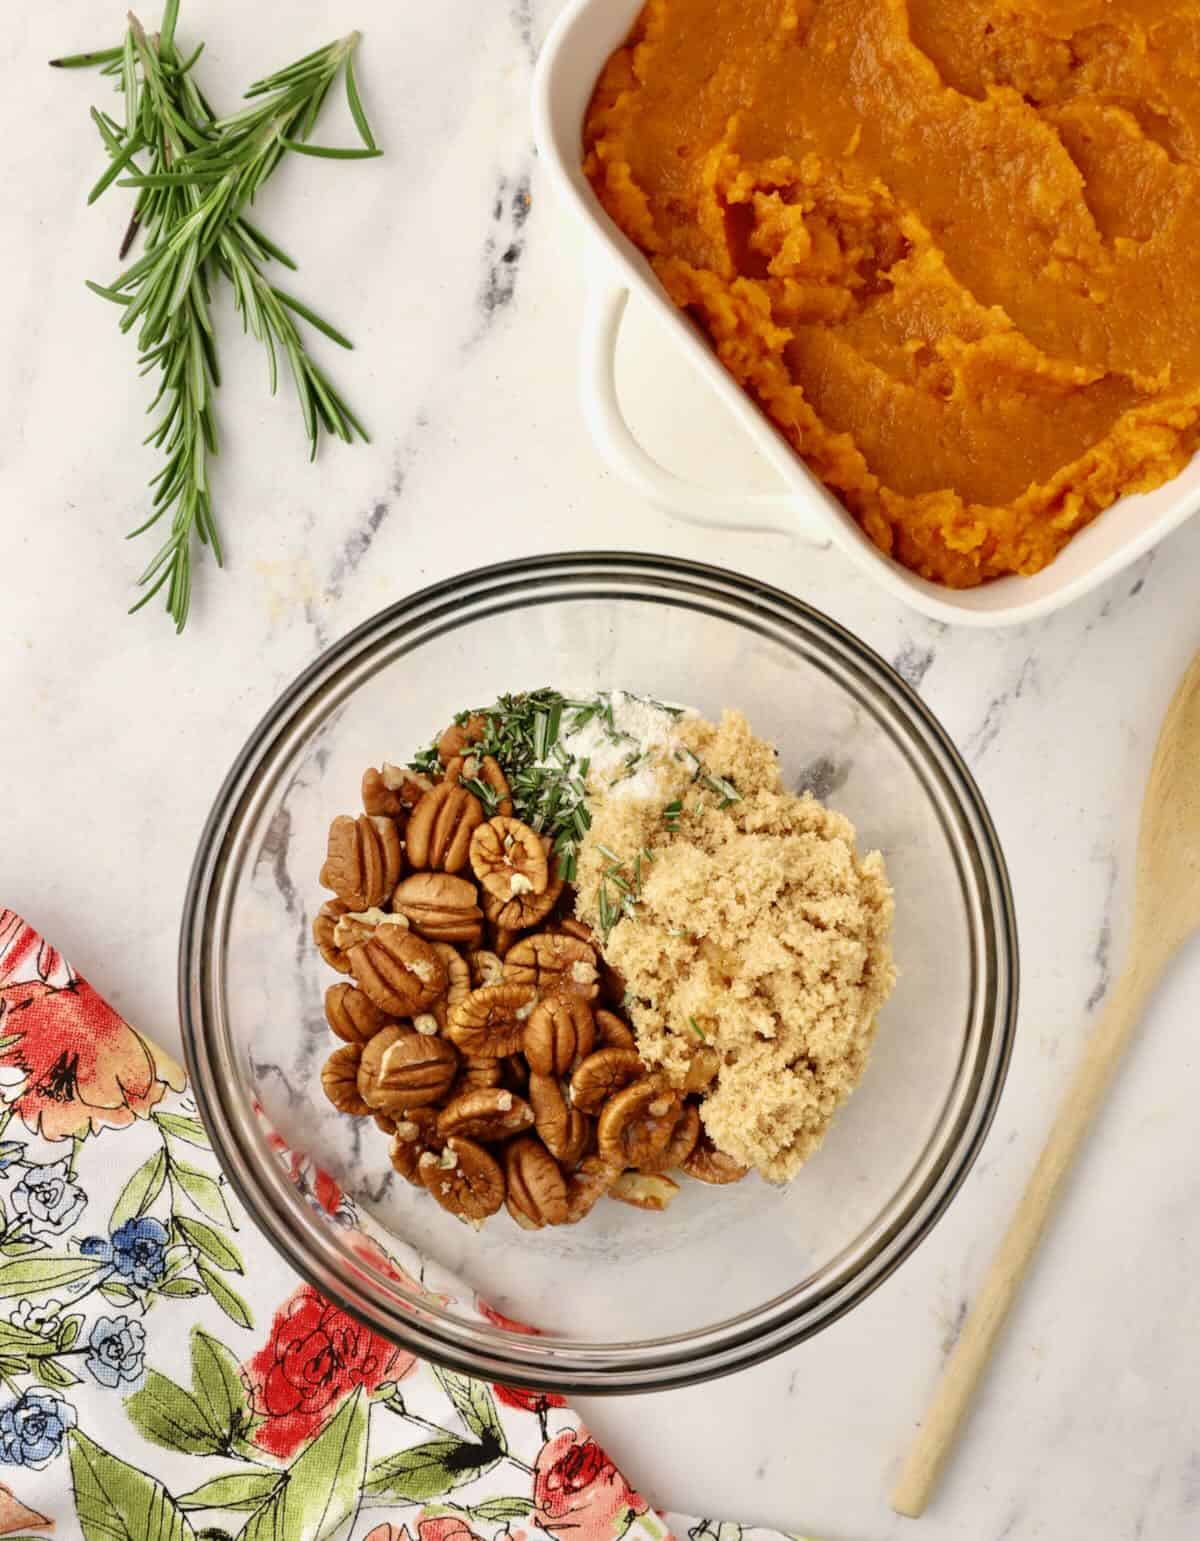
521	732
725	790
427	762
672	814
487	795
608	913
697	1029
529	735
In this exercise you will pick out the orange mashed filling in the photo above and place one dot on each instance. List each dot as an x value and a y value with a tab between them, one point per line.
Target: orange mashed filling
950	247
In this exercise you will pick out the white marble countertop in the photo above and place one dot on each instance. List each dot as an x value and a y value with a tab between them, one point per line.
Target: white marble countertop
465	313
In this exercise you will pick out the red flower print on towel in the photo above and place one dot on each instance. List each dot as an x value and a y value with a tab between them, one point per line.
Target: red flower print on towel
498	1319
577	1489
528	1401
73	1064
445	1528
23	950
316	1355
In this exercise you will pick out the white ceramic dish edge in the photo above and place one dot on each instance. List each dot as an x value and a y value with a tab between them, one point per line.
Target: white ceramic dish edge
581	40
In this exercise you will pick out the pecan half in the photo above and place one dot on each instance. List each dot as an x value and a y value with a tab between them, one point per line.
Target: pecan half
559	1034
564	1130
323	926
486	968
523	910
403	1069
587	1185
353	1016
439	907
395	790
485	770
358	926
636	1125
458	982
707	1164
569	926
612	1032
508	859
440	830
379	800
476	1074
490	1022
399	971
485	1114
681	1144
580	1139
644	1190
339	1080
537	1193
363	860
414	1132
459	736
465	1179
602	1075
553	964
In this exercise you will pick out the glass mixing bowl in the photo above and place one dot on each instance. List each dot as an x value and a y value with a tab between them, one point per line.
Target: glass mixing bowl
627	1301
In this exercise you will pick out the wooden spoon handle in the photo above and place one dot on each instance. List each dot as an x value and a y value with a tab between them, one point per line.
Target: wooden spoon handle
952	1398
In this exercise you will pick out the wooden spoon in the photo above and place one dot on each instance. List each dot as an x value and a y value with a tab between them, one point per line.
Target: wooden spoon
1166	914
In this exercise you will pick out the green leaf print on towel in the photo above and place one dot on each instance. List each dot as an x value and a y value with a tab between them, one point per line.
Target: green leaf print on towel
116	1502
322	1486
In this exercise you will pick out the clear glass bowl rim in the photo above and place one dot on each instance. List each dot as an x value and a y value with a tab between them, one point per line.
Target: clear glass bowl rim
482	1349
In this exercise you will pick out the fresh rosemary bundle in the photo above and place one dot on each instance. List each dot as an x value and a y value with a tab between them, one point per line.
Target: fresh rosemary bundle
200	173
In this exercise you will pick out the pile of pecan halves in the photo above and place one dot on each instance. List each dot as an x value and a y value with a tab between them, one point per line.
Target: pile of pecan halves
480	1029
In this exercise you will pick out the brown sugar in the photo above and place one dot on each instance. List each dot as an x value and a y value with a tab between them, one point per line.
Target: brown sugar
752	928
948	246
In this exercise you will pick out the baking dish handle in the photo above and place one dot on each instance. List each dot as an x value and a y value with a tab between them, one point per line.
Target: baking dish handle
746	513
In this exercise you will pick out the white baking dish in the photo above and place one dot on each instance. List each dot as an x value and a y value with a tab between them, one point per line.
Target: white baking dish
579	43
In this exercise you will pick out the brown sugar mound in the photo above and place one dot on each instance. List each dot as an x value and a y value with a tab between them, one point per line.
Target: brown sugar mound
760	941
947	246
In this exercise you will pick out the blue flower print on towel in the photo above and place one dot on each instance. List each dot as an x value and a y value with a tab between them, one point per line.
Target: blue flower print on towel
137	1250
48	1199
10	1151
32	1428
116	1350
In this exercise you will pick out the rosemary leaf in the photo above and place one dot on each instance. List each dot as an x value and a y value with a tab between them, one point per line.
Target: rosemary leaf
329	152
89	60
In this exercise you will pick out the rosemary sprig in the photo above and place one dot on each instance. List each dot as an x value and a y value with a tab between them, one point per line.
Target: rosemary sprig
200	172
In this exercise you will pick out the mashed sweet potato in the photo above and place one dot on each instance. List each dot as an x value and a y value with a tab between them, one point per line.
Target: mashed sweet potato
950	247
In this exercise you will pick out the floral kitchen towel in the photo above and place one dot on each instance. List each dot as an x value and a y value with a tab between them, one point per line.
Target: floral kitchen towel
166	1377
